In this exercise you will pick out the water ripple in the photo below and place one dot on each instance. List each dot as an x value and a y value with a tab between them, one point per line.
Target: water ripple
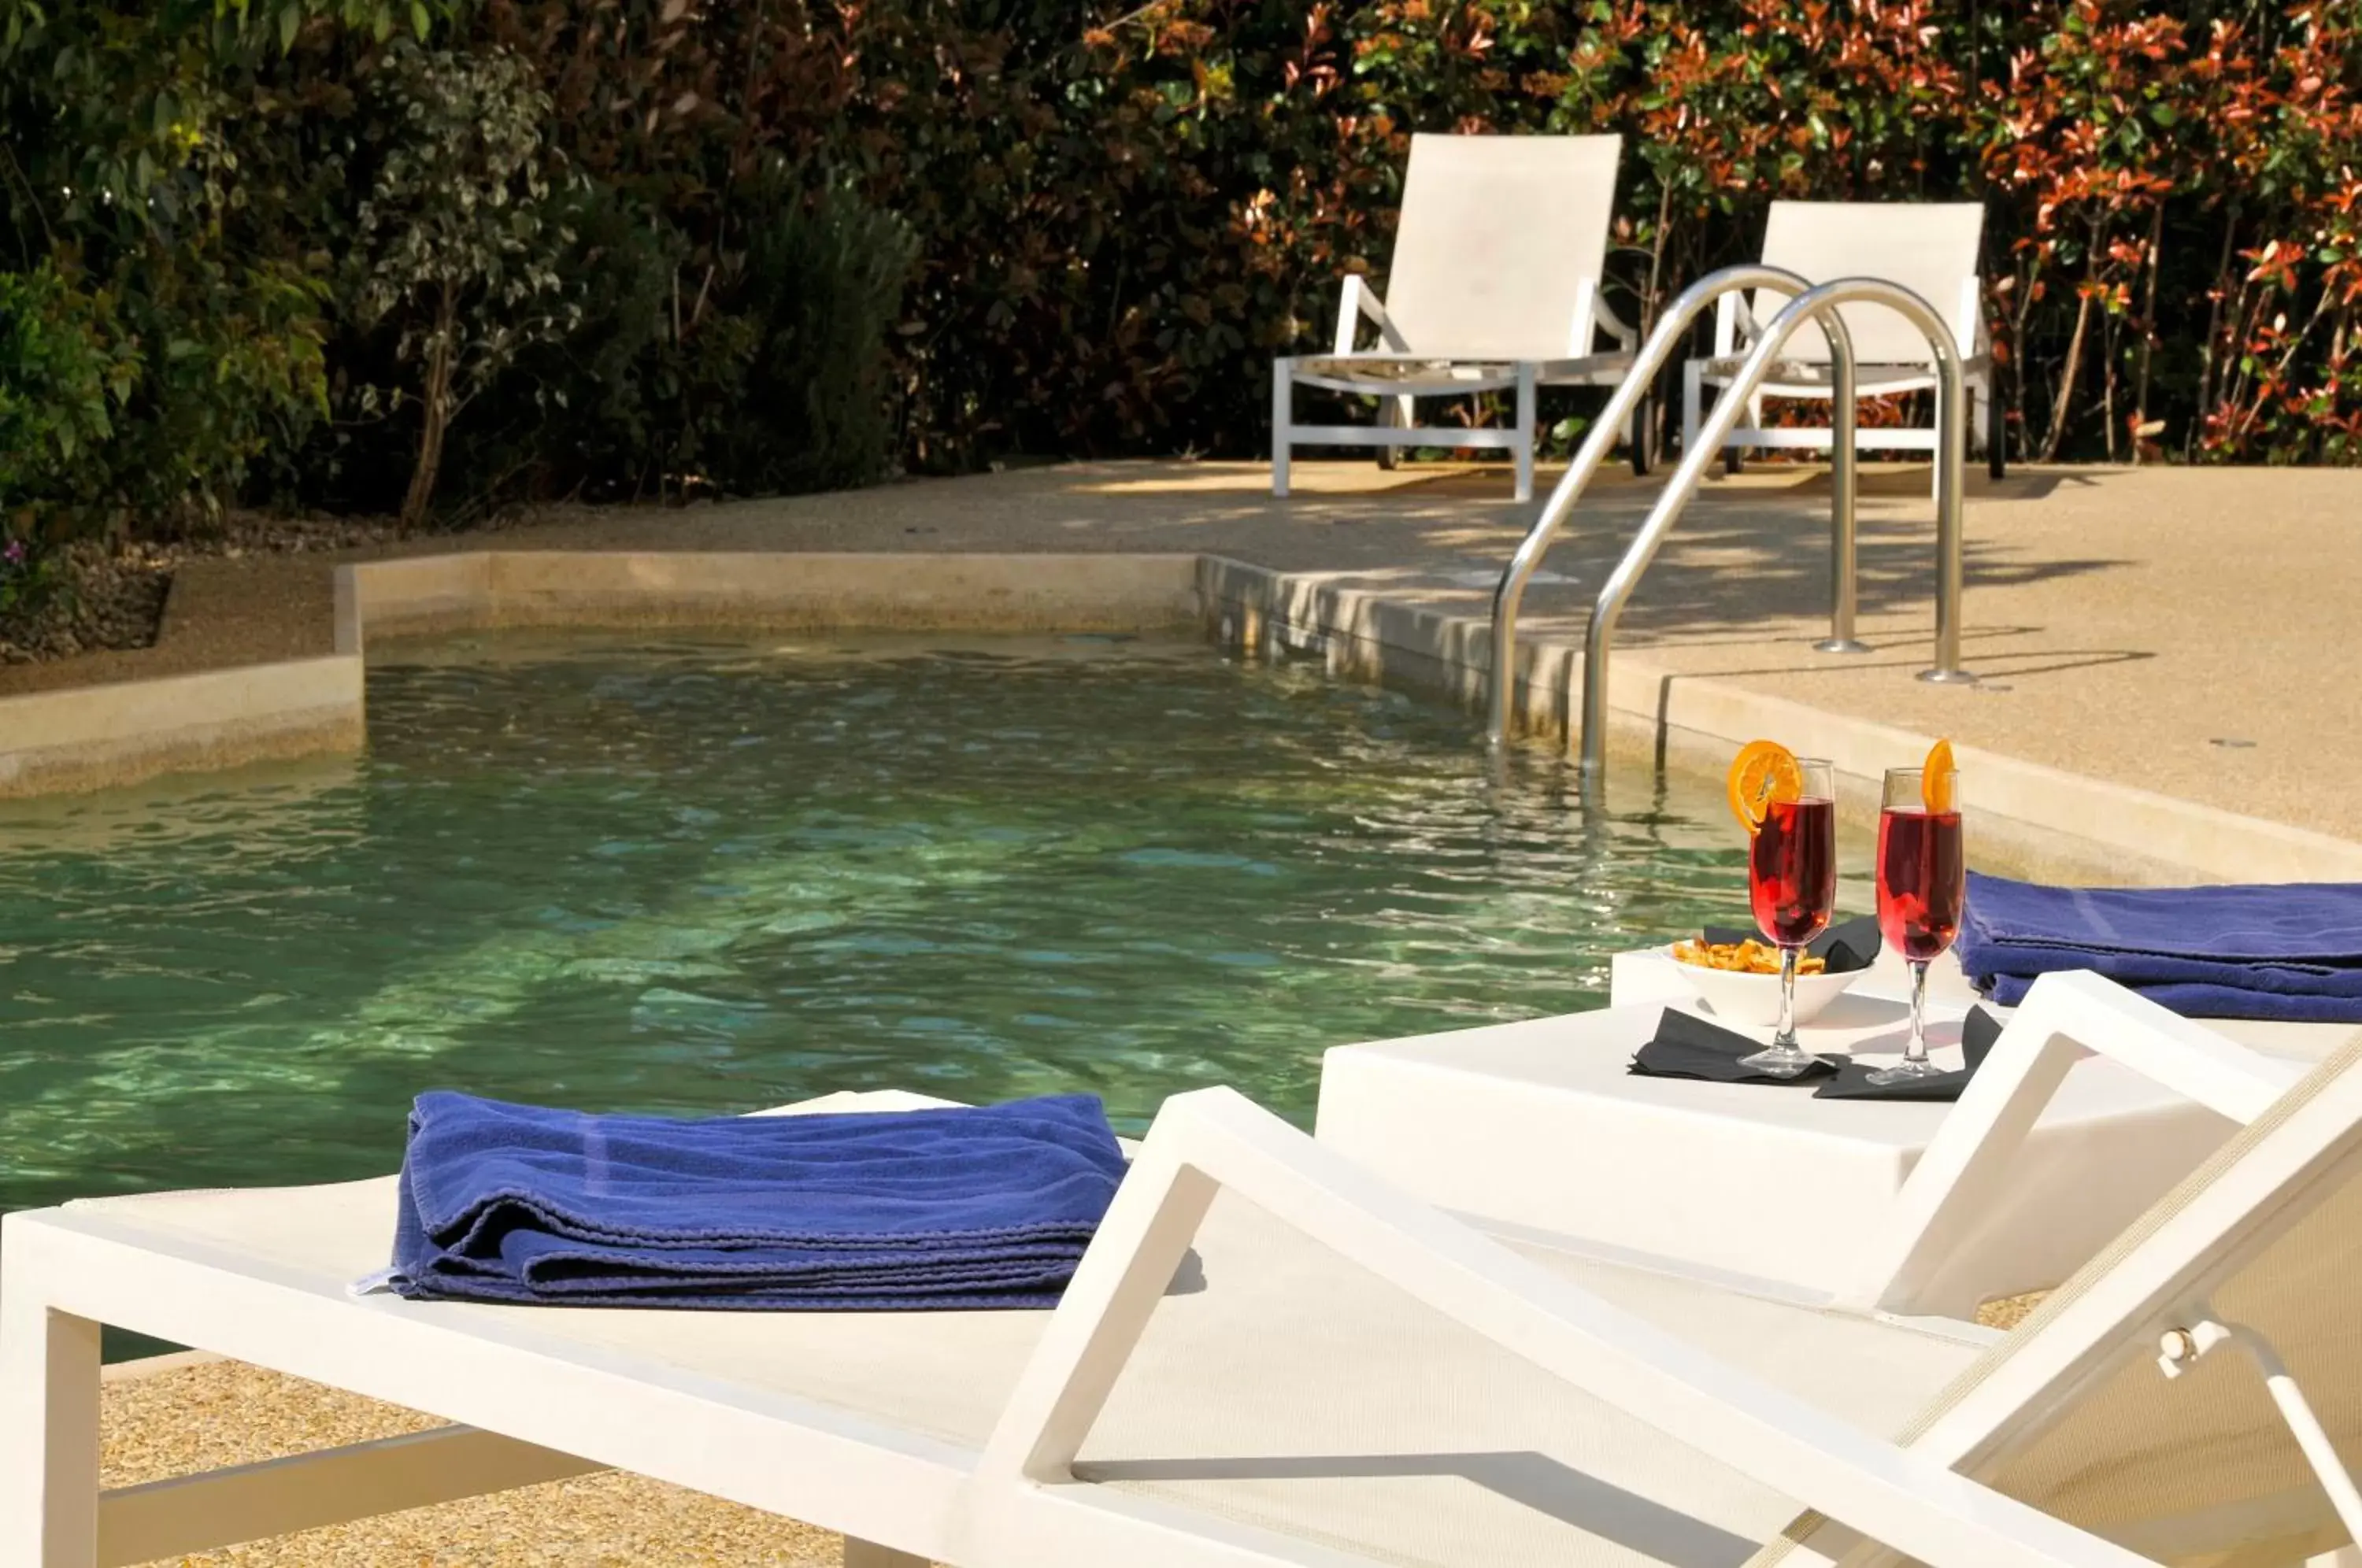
705	874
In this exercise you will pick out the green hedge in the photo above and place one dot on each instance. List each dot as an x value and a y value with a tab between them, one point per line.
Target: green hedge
691	246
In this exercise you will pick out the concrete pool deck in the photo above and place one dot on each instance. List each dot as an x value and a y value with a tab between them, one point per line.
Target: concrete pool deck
2158	630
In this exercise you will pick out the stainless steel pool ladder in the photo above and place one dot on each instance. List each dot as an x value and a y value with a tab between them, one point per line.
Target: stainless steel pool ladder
1807	303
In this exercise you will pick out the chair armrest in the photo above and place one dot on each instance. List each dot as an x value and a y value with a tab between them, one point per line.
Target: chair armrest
1977	343
1734	326
1360	303
1215	1139
1604	315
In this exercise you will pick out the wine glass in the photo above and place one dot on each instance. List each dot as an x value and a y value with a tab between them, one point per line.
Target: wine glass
1791	883
1922	886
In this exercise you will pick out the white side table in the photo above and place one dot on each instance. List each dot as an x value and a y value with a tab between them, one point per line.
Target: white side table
1650	975
1538	1125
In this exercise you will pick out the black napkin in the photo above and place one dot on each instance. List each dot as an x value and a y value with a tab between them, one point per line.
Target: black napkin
1847	946
1687	1046
1977	1033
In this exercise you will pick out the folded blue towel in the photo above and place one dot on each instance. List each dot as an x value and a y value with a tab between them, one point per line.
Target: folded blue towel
984	1208
2280	950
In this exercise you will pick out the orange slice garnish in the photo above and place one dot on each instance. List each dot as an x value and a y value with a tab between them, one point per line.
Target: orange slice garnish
1763	771
1938	779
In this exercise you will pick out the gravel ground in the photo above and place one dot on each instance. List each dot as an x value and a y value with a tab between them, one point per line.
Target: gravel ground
110	596
215	1413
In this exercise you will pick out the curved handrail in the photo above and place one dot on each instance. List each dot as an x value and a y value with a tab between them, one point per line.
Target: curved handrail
1951	441
1509	595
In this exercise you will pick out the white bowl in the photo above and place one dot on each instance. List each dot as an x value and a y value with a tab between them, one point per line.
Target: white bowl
1735	996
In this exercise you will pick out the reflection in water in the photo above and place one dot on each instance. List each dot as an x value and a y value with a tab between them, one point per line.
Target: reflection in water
709	874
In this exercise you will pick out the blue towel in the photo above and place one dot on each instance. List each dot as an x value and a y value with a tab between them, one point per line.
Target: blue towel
2288	951
952	1209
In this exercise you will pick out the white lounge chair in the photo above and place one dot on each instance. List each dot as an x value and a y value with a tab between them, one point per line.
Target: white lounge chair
1494	284
1930	249
1270	1358
1413	1391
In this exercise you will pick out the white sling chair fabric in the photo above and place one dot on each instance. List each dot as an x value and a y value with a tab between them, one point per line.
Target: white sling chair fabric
1494	284
1930	247
1501	244
1305	1395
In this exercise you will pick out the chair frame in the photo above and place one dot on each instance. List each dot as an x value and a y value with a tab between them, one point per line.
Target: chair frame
1735	329
2064	1017
1398	375
1874	1503
1032	1511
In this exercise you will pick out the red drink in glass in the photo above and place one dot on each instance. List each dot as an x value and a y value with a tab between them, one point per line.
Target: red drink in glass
1922	881
1791	875
1923	884
1791	870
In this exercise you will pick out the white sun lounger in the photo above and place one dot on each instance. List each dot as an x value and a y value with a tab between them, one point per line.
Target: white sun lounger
1930	248
1270	1358
1494	284
1413	1391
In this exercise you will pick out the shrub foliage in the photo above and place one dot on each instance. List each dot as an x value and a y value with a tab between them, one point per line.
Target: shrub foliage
270	250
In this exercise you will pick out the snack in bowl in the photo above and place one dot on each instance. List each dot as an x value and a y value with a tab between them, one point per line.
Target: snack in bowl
1739	981
1748	958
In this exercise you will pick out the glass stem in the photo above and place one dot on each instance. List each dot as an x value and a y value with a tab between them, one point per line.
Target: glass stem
1787	1032
1917	1050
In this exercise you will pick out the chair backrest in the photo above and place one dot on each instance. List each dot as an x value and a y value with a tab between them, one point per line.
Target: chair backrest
1501	243
1930	248
2073	1414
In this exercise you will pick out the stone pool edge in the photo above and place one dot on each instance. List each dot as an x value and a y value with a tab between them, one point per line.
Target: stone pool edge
2040	820
75	739
88	737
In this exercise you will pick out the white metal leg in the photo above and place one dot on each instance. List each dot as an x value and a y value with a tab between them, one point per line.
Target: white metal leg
48	1430
1936	470
1283	429
1394	413
869	1554
209	1508
1978	445
1527	414
1693	403
2182	1346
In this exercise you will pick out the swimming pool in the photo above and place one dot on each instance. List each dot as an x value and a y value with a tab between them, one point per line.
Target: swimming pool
708	873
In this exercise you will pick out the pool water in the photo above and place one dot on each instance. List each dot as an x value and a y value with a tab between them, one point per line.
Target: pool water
706	874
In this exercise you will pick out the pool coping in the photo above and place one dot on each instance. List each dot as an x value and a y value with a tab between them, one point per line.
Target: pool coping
2040	820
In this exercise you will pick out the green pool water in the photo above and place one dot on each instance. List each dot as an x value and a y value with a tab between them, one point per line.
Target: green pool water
709	874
